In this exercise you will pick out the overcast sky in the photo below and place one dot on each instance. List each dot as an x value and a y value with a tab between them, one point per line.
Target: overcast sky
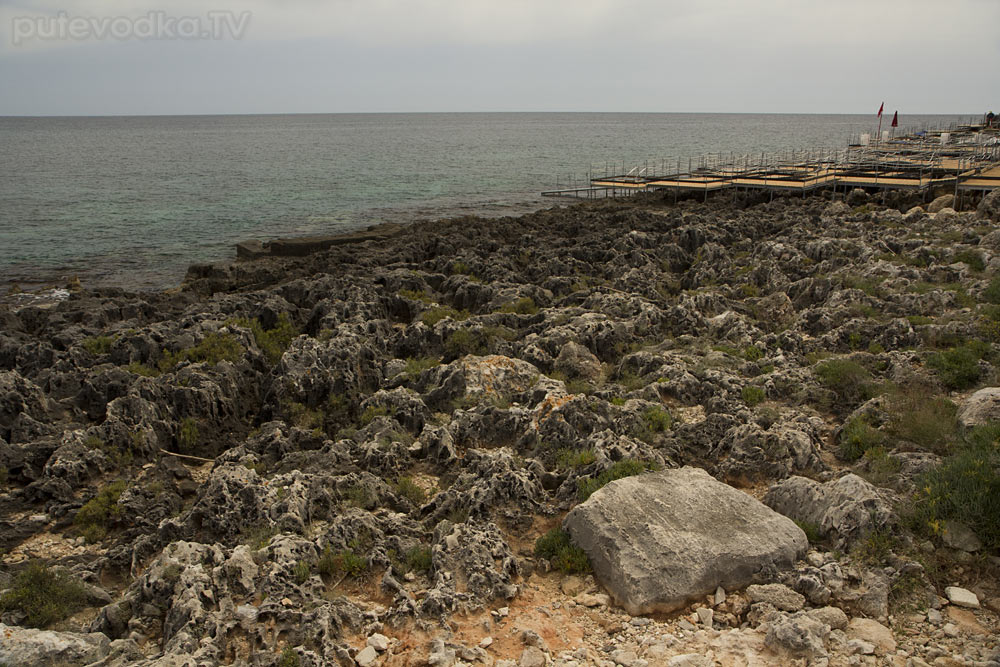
795	56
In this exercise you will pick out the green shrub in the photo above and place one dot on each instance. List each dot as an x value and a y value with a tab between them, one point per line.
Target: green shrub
465	341
273	342
919	417
359	496
432	316
875	547
811	530
407	488
258	535
419	559
870	286
213	349
857	438
414	295
372	412
958	367
4	474
753	353
753	395
523	306
98	345
142	369
624	468
43	595
965	487
555	546
417	365
881	466
656	420
304	417
575	458
187	436
972	258
289	658
95	518
460	268
344	562
992	292
850	381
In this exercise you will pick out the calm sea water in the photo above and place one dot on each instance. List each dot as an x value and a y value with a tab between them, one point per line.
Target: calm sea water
133	200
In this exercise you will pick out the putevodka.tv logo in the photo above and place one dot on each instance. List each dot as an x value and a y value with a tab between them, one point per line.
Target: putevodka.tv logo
157	25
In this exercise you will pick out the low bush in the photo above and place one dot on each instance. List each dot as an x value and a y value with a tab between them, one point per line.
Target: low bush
344	563
417	365
958	367
857	438
213	349
289	658
43	595
188	436
992	292
419	559
408	489
96	517
811	530
372	412
972	258
302	572
432	316
575	458
621	469
523	306
849	380
965	487
920	417
98	345
556	547
880	466
654	420
753	395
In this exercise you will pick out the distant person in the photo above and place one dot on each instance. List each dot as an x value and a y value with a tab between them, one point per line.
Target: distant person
990	119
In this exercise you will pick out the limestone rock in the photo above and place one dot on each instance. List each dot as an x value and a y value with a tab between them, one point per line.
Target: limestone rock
779	595
845	509
940	203
366	656
576	361
659	540
27	646
980	408
961	597
874	632
959	536
989	207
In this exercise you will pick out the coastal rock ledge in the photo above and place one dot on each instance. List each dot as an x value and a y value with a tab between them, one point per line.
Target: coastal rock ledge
659	541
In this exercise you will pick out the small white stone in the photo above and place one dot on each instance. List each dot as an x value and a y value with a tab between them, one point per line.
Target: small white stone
379	642
705	616
950	629
502	612
486	642
720	595
366	657
961	597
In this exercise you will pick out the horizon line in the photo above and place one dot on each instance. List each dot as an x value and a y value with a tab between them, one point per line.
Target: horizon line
373	113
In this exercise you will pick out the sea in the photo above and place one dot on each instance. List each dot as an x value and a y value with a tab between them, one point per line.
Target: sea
132	201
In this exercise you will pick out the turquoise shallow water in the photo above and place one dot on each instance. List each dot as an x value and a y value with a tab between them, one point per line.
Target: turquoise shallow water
133	200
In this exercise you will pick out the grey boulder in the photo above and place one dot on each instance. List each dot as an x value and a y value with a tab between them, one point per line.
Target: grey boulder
844	510
980	408
660	540
27	646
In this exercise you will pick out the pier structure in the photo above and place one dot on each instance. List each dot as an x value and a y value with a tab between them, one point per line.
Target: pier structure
962	158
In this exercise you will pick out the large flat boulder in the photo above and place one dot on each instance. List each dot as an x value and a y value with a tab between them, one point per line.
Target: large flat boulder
980	408
660	540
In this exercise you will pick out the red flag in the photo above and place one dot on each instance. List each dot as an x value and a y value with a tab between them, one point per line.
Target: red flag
895	119
882	106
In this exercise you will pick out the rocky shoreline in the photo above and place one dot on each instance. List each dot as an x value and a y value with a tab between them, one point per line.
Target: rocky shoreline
766	429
